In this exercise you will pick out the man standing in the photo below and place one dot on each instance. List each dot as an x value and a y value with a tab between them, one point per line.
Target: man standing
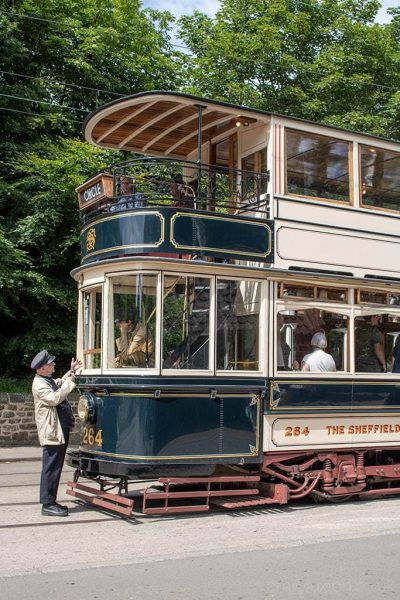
54	419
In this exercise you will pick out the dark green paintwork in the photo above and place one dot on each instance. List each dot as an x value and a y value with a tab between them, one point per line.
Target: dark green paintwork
170	230
334	396
177	427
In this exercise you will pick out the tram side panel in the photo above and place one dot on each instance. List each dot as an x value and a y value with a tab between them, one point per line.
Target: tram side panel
332	415
139	432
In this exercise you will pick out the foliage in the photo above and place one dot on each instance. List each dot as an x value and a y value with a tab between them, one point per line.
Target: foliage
60	60
323	60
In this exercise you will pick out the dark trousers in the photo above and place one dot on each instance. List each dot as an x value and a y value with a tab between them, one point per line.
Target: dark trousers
52	464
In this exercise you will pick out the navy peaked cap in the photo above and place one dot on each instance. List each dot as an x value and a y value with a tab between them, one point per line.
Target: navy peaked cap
41	359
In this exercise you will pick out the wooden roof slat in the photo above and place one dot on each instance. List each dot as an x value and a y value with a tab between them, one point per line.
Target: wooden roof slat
177	125
161	115
180	142
125	120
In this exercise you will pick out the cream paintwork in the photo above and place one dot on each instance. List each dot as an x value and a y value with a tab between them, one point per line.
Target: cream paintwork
346	251
318	432
317	213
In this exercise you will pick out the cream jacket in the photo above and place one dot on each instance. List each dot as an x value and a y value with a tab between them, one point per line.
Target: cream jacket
46	417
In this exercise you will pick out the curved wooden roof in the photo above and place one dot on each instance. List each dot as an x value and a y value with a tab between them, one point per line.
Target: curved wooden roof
163	123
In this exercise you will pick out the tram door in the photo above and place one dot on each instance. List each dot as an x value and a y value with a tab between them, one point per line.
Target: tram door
223	182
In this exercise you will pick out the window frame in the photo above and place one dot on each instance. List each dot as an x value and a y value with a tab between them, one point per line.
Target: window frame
211	355
350	143
335	308
377	209
262	326
109	350
352	309
92	287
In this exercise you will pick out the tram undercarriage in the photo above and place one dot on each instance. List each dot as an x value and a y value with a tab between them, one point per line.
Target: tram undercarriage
280	478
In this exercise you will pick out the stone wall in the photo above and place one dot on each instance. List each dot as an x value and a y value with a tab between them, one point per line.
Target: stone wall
17	420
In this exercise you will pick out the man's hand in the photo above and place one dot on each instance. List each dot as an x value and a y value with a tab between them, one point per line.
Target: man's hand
76	365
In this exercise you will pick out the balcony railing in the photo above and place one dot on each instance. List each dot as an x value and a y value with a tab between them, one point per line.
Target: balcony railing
145	182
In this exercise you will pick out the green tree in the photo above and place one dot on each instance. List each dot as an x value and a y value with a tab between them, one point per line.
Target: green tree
323	60
59	60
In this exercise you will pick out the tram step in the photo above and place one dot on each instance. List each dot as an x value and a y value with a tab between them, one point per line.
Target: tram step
240	502
112	502
157	495
176	509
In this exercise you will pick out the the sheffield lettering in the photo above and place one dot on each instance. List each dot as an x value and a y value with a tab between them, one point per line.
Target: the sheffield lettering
93	192
363	429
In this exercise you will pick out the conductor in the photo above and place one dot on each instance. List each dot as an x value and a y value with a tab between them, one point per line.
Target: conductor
54	419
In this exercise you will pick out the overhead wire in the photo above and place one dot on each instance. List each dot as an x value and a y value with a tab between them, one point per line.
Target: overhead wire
74	85
36	114
43	102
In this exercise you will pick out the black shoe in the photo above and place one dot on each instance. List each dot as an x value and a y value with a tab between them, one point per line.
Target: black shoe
53	510
61	506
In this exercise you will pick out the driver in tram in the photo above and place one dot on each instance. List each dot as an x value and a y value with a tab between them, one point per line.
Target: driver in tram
135	346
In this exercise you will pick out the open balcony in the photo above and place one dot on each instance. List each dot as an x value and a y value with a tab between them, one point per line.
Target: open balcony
162	206
145	182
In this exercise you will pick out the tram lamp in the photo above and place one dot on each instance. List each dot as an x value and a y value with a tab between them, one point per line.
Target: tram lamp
83	409
86	409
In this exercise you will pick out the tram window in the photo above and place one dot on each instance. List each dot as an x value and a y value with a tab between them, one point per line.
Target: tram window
331	295
380	173
375	340
317	166
373	297
186	322
238	311
296	331
254	163
134	316
302	292
295	291
92	301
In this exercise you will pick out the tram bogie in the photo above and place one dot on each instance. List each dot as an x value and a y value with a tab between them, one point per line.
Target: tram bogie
239	311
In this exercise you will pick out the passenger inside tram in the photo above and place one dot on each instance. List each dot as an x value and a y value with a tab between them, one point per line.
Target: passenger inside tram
135	346
318	360
369	349
312	340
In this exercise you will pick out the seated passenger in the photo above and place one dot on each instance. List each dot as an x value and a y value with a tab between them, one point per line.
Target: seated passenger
127	197
318	360
181	194
135	347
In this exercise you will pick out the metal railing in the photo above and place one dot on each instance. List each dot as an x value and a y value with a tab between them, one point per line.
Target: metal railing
186	184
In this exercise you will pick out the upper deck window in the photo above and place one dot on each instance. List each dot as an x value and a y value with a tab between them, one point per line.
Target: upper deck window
380	177
317	166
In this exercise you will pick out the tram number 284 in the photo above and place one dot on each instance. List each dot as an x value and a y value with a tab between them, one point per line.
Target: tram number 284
91	436
296	431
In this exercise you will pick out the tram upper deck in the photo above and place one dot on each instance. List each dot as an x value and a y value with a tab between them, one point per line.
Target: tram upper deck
222	181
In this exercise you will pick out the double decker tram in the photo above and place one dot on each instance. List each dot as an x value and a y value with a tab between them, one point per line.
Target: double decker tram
239	309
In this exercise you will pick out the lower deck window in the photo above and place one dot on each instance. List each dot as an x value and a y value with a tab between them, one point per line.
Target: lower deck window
312	340
186	322
134	321
92	307
238	313
377	343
